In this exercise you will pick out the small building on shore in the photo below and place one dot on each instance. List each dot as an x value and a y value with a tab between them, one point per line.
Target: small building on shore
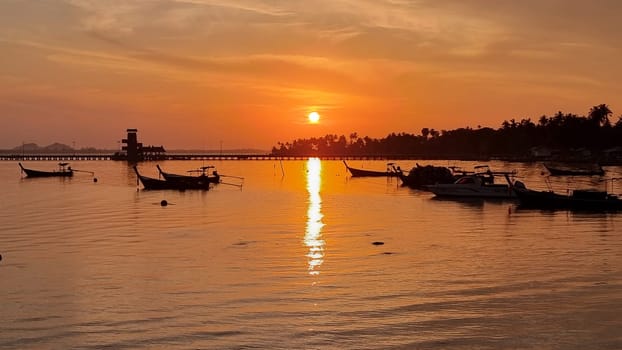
134	151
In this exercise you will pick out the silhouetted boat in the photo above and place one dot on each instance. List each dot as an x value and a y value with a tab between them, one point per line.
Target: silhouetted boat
371	173
150	183
575	200
574	169
421	176
477	185
63	170
202	176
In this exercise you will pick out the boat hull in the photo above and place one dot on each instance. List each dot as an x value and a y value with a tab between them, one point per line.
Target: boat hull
551	200
369	173
39	173
198	180
593	170
462	191
150	183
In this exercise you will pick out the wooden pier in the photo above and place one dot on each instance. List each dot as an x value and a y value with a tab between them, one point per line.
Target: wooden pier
184	156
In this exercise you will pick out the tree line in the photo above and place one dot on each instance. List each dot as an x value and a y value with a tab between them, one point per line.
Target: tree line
560	132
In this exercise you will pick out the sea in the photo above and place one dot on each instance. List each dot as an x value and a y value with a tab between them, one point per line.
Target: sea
298	255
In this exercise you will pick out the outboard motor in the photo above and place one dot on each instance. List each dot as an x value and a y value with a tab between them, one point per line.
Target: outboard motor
518	184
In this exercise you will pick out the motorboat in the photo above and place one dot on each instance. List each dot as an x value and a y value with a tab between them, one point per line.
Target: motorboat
476	185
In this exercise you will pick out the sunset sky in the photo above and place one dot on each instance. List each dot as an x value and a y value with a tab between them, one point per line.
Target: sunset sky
195	73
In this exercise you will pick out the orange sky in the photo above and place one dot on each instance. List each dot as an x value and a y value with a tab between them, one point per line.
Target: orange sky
195	73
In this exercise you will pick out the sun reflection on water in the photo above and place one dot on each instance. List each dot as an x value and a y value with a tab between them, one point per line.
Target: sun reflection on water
313	233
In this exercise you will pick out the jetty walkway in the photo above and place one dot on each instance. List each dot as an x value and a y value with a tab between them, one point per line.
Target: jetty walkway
183	156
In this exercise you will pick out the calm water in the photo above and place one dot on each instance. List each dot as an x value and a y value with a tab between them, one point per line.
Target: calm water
287	262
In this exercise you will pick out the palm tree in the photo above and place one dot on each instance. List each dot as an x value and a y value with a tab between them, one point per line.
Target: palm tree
599	115
425	132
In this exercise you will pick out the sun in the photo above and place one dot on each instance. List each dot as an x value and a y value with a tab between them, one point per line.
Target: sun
314	117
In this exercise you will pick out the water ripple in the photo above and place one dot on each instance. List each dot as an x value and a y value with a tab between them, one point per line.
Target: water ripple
103	265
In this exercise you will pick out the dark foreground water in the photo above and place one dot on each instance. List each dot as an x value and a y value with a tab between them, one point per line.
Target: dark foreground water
288	262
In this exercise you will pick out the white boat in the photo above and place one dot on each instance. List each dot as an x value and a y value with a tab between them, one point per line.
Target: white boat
479	185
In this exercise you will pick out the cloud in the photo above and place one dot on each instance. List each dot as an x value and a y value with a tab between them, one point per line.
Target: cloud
113	16
405	56
250	6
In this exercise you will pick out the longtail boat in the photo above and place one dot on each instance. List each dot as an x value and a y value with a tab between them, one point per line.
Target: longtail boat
150	183
202	176
371	173
574	169
578	199
63	170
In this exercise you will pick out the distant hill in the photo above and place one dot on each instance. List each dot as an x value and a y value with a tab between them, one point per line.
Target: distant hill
57	148
27	147
33	147
60	148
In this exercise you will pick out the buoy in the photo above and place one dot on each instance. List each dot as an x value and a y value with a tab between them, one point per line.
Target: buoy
378	243
94	179
164	203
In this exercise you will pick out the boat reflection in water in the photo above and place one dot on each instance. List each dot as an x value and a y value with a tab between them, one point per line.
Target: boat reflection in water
313	233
